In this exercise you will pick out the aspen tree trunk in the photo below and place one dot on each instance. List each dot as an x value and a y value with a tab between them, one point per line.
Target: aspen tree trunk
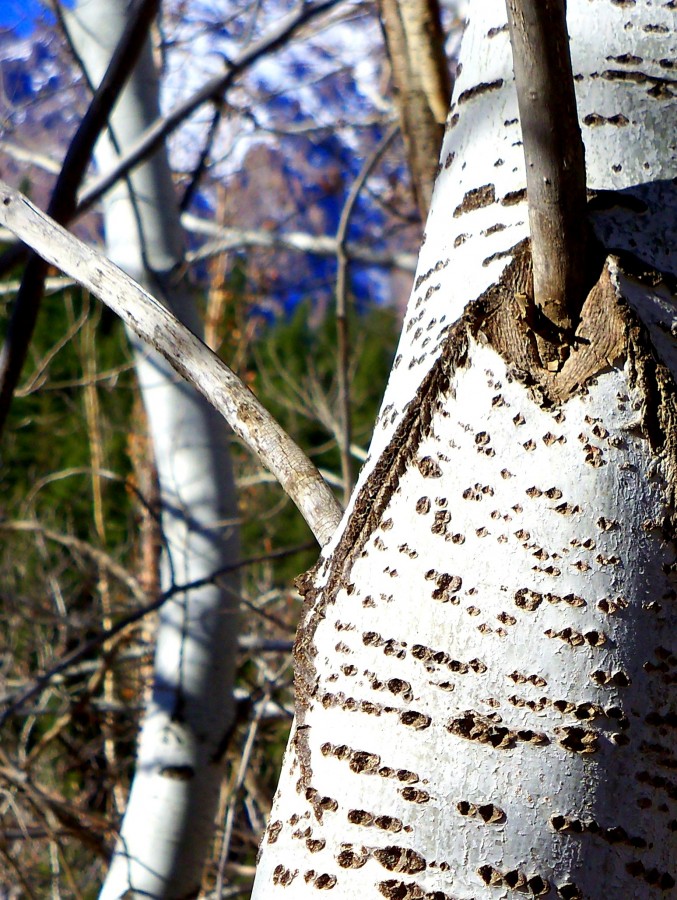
486	663
168	824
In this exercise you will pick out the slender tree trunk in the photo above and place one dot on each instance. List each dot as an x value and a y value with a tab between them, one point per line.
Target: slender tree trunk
169	820
422	86
486	663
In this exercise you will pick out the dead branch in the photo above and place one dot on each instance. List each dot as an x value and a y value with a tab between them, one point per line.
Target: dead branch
422	86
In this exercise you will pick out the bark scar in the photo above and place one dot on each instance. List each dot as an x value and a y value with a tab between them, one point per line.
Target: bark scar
609	333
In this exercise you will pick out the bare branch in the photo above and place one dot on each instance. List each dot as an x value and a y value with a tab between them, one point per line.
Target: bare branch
155	325
13	702
226	239
211	92
342	330
82	548
63	201
554	155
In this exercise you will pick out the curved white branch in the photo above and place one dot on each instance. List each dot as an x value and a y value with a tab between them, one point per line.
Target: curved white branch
155	325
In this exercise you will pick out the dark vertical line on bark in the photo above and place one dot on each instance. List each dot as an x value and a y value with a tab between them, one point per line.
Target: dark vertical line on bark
554	156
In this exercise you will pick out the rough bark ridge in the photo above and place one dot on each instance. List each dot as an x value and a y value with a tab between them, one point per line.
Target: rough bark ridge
486	664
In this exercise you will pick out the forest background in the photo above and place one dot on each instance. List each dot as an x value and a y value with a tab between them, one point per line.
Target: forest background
298	177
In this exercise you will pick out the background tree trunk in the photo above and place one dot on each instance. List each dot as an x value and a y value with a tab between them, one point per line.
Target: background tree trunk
422	86
485	667
169	820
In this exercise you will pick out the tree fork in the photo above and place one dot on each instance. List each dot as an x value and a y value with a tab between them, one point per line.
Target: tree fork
554	157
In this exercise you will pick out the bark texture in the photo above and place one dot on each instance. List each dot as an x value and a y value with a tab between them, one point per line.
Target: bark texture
486	663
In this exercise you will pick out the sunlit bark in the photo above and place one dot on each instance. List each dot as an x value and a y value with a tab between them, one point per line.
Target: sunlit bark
485	666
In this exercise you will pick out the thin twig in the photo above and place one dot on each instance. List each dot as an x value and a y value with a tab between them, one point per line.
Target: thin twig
239	784
211	92
199	169
342	327
225	239
15	701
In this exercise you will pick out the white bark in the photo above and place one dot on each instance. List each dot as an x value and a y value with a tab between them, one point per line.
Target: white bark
486	697
168	824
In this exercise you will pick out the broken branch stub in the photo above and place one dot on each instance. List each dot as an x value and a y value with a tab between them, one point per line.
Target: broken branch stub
554	157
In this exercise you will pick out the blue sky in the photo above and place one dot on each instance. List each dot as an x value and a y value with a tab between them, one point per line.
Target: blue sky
19	15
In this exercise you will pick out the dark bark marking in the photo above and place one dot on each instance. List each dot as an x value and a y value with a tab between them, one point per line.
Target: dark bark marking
473	726
400	859
613	679
452	122
315	845
283	876
638	77
626	59
514	879
429	468
350	858
595	119
512	198
479	89
662	880
414	719
488	812
576	639
608	334
477	198
414	795
273	831
441	264
500	254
